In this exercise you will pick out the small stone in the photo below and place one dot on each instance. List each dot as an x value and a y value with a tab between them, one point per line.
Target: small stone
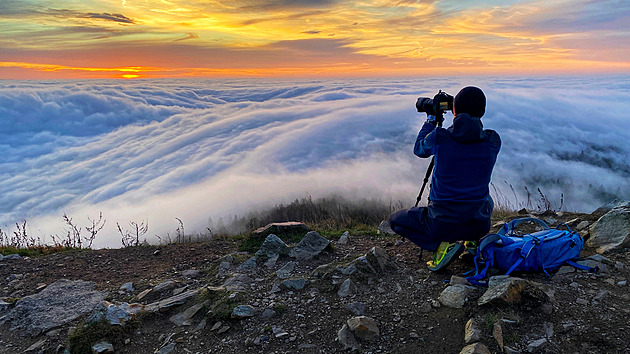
294	284
167	285
166	349
385	229
102	347
185	318
216	326
497	333
472	332
347	339
239	282
268	313
477	348
399	243
565	270
157	252
243	311
622	283
223	329
128	287
414	335
594	264
363	327
235	297
344	239
510	290
549	332
191	273
601	295
143	294
39	344
454	296
619	265
286	270
356	308
347	288
425	307
458	280
537	345
275	288
581	301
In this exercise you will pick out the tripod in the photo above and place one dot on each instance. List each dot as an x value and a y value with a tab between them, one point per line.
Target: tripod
439	118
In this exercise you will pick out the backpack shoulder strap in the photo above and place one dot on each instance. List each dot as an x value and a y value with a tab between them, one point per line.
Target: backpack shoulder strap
486	246
509	227
583	267
525	251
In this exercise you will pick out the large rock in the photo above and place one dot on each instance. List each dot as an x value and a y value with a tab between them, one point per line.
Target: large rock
59	303
504	289
611	231
279	228
273	246
310	246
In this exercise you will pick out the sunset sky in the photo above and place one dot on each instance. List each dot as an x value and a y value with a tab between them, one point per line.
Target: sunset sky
50	39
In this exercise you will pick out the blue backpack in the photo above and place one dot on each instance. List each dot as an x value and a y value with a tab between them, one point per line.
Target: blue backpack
545	250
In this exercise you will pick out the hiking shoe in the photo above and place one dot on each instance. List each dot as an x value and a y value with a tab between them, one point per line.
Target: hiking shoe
445	253
470	252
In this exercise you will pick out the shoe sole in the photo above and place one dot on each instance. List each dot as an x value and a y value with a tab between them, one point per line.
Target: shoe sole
448	258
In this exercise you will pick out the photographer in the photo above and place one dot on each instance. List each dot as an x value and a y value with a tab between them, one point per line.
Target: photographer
460	205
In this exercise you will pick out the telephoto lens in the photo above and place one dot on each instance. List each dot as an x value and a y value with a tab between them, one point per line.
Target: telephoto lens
425	104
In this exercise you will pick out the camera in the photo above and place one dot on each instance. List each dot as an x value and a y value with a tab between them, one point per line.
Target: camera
440	103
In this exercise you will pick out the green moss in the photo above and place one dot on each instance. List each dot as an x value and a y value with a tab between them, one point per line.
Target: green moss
280	308
220	307
491	319
82	340
36	251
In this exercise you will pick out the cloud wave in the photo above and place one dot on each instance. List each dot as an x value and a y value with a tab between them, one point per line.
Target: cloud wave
196	149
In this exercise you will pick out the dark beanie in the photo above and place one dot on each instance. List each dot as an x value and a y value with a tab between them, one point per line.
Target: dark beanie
470	100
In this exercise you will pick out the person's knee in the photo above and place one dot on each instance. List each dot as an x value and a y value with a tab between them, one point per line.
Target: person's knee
394	217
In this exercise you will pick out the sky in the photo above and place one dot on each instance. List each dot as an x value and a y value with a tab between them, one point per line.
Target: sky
69	39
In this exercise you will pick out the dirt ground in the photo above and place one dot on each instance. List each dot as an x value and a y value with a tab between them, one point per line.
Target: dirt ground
402	302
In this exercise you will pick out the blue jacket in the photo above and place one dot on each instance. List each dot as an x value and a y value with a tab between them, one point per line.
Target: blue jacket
465	155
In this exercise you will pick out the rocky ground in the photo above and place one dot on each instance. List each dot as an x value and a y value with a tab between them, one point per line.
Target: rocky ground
368	293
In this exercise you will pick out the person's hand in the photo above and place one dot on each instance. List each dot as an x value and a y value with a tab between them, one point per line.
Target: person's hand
434	120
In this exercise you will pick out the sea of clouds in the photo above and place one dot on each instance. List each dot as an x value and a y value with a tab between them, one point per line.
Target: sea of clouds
156	150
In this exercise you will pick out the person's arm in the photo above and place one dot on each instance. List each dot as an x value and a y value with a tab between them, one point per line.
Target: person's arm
426	140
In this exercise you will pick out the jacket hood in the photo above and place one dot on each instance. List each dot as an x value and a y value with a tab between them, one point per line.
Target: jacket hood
467	129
